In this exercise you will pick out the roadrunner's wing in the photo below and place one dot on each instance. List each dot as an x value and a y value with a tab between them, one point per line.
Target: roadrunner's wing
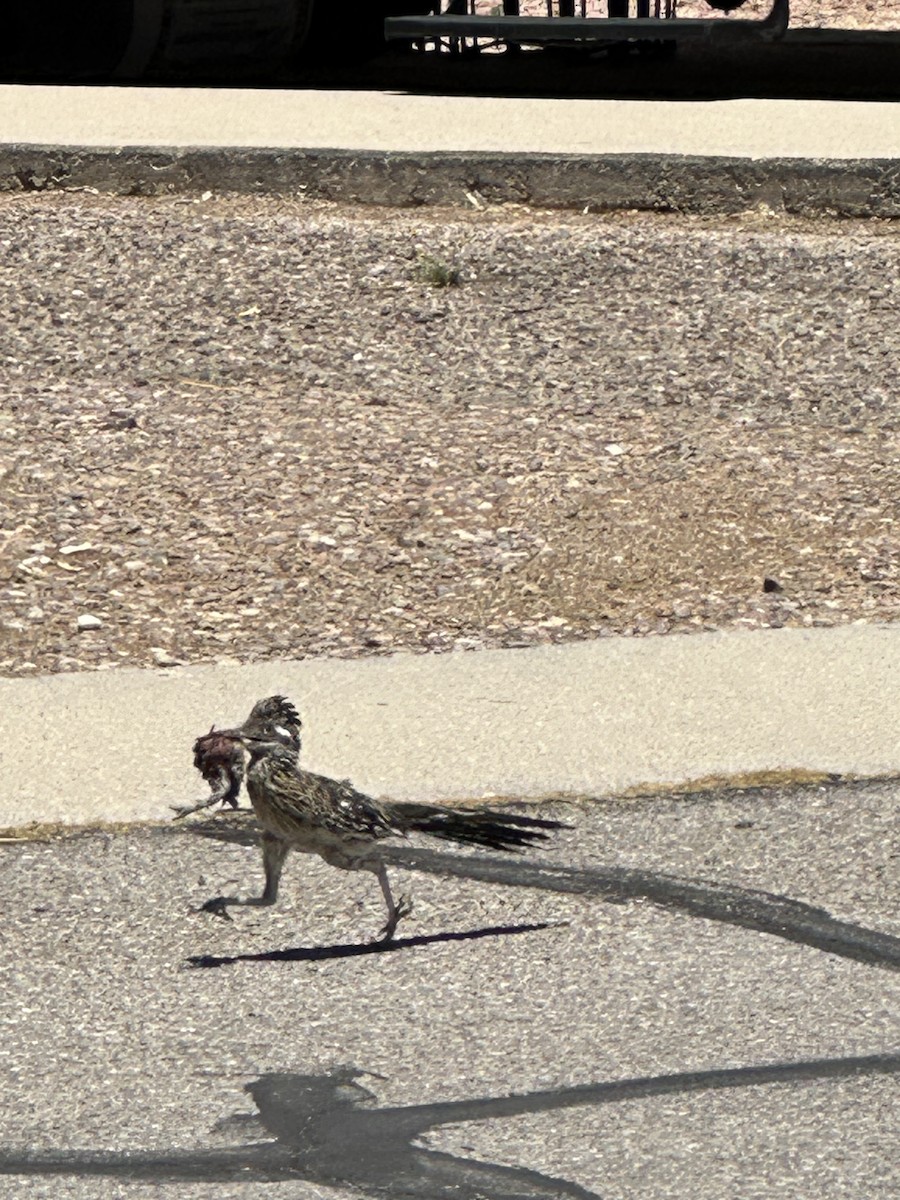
332	804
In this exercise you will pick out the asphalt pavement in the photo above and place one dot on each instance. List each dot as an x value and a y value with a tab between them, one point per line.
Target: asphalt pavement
677	998
680	995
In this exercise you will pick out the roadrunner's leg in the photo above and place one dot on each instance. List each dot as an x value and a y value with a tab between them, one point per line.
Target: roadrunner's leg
396	912
274	851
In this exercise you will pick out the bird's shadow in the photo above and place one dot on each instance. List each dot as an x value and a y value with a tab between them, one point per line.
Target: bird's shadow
713	900
358	949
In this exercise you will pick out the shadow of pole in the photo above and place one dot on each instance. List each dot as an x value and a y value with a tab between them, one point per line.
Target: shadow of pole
328	1130
765	912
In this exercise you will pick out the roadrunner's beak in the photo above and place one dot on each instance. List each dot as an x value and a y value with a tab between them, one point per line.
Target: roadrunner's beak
245	737
236	735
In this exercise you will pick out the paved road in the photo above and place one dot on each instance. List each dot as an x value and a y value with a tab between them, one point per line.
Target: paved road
699	999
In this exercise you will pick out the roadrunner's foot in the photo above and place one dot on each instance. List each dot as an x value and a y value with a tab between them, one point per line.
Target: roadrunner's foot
401	909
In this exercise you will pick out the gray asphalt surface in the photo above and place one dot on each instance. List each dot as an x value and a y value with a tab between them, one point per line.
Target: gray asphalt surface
661	1045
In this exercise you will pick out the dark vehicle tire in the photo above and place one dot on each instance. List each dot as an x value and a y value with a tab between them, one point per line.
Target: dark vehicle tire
63	39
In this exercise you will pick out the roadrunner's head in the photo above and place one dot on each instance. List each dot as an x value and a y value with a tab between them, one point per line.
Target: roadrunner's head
273	727
273	720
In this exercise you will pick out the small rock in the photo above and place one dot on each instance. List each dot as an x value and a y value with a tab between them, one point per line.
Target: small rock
772	585
121	418
79	549
614	448
35	614
88	621
164	658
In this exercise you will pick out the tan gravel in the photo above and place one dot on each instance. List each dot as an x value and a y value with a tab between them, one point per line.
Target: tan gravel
242	429
813	13
838	14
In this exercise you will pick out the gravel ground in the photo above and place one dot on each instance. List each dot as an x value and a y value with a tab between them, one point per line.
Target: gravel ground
840	14
239	429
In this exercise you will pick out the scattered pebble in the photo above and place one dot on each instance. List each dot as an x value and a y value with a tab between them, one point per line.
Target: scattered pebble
164	658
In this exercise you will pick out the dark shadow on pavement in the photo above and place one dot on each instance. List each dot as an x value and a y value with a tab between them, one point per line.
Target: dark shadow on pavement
355	949
765	912
329	1130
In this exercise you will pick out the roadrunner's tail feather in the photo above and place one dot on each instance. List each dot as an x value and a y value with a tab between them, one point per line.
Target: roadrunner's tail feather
471	827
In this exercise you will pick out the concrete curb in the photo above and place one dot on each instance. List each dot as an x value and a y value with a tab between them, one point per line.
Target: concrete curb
584	719
599	182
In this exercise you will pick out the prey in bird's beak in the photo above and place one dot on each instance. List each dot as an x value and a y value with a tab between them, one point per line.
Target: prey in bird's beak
219	755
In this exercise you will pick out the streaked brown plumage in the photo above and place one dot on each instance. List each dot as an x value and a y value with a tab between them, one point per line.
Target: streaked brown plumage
318	815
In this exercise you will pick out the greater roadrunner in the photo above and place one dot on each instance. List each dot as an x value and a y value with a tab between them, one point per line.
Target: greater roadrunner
317	815
219	757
